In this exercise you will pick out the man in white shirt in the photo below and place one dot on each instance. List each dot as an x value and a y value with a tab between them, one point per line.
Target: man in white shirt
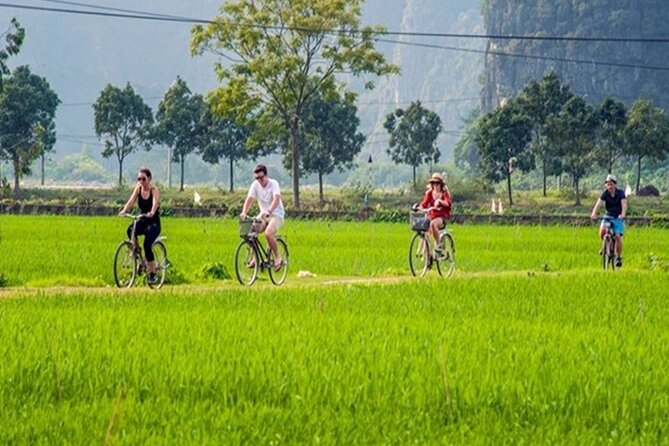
266	191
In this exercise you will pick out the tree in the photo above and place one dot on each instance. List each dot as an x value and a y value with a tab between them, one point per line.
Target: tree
541	100
646	134
13	41
331	134
413	136
574	130
27	113
178	123
222	137
612	117
126	121
286	51
503	139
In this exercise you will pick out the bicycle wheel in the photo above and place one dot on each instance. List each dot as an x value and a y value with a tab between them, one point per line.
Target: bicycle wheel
125	265
446	258
247	263
607	253
419	254
160	254
278	276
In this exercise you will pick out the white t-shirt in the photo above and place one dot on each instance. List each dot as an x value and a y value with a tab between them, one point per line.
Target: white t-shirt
264	196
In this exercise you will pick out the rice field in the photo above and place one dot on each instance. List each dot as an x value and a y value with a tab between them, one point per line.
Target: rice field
528	343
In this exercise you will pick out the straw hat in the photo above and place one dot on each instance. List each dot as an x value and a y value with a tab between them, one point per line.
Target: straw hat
436	178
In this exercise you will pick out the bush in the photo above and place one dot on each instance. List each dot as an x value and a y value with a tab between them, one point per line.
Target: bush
214	270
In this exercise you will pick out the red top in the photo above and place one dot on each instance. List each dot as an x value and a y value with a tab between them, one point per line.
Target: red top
440	211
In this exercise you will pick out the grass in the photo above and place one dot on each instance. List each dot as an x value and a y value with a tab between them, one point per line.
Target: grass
529	342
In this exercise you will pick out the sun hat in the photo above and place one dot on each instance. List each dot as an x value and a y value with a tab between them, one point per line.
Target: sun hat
610	177
436	178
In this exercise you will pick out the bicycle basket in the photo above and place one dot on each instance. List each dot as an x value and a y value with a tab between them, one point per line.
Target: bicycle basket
245	226
418	221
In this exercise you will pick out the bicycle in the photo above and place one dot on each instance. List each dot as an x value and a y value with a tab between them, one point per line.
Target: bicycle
251	257
422	252
608	251
130	262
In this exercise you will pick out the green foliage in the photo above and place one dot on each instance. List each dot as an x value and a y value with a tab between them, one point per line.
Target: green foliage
27	113
465	153
4	281
413	136
13	41
122	117
287	53
214	270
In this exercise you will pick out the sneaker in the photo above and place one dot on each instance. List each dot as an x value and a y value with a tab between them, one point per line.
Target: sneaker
619	262
152	278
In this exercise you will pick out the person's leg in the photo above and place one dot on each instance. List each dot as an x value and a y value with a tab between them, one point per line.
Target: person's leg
435	226
273	226
151	234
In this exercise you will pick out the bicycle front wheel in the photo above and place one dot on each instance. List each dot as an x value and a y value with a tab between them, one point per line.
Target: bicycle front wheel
247	263
160	254
419	254
278	276
446	258
125	265
608	253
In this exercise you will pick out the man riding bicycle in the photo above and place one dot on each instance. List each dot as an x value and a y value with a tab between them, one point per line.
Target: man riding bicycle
616	209
266	191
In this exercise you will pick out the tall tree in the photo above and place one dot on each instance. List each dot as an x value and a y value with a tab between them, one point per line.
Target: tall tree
465	152
13	41
223	138
413	136
541	101
646	134
27	104
503	139
178	123
285	51
612	117
125	120
331	134
573	131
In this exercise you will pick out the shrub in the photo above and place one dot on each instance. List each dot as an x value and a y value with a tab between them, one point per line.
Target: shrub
214	270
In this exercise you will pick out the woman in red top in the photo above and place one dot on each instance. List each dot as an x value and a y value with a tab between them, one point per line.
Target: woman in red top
437	202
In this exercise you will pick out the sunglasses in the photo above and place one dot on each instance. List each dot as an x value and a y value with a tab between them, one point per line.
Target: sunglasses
259	176
141	179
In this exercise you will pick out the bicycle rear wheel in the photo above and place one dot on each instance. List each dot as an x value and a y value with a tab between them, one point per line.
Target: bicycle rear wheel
160	254
446	258
247	263
419	254
125	265
278	276
608	254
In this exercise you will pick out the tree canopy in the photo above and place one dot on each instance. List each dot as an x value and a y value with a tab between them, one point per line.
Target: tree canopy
13	41
282	52
122	117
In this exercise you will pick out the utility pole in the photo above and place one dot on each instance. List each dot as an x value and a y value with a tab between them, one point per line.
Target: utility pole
169	167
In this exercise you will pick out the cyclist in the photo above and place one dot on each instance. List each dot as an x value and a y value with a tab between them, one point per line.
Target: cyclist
147	196
437	202
616	208
266	191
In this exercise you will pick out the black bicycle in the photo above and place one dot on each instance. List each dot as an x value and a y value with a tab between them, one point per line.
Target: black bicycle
130	262
251	257
608	251
423	253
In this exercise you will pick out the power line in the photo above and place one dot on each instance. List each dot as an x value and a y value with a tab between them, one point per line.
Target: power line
131	14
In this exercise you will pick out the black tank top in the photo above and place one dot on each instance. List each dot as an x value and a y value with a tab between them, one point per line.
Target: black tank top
145	206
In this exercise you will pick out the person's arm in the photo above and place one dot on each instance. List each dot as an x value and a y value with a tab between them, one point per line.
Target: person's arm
247	206
130	203
276	199
598	204
624	213
446	200
156	202
425	203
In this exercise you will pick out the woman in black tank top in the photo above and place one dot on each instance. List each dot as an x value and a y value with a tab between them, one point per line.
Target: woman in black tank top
147	197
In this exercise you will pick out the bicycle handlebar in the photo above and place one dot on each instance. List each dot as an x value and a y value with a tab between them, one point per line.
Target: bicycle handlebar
134	216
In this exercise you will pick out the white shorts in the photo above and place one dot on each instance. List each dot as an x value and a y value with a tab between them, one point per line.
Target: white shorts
274	222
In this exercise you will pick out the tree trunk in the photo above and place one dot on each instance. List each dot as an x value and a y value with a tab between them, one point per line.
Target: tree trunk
414	176
320	188
295	165
578	192
181	183
508	186
169	167
544	174
232	180
17	173
120	172
42	169
638	175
